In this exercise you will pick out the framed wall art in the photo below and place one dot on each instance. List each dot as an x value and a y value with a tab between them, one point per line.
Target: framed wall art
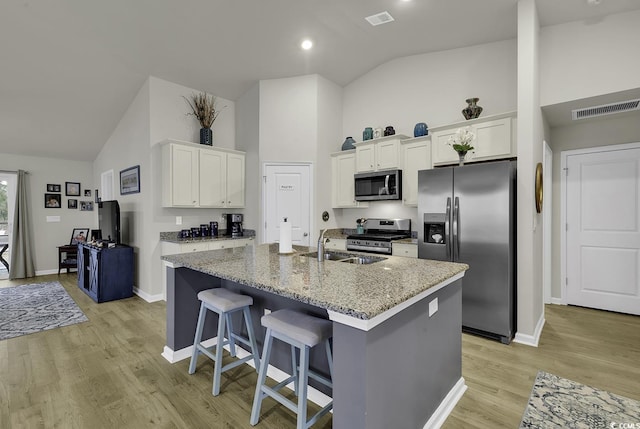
72	189
86	206
130	180
52	201
53	187
72	204
87	192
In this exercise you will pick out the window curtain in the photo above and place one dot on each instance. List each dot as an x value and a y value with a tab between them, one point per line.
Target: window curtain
21	238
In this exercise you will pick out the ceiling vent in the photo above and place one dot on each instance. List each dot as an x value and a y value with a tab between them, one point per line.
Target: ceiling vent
379	18
605	109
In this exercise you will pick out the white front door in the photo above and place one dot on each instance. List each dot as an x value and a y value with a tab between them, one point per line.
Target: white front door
603	231
287	194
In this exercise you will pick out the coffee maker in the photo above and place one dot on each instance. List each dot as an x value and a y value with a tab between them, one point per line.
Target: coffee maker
234	224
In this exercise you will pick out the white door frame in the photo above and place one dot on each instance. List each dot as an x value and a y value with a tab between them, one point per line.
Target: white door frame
263	191
563	205
547	221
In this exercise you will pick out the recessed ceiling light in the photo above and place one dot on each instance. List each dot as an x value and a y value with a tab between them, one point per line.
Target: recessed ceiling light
306	44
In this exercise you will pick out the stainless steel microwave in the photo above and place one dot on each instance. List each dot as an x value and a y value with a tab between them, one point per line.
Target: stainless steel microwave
379	185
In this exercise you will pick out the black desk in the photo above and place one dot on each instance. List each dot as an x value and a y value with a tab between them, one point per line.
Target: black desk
67	257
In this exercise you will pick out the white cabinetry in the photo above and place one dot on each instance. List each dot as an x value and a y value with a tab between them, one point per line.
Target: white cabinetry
336	244
343	167
378	154
404	249
494	140
193	176
416	156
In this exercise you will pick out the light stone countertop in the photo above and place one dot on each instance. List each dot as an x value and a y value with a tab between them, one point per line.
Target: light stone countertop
358	291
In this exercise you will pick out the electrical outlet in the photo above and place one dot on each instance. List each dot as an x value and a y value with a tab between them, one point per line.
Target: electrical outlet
178	220
433	307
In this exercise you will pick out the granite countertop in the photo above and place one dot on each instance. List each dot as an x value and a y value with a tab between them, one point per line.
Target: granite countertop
358	291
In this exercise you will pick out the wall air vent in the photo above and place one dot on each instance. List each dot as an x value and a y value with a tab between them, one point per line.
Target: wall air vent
379	18
605	109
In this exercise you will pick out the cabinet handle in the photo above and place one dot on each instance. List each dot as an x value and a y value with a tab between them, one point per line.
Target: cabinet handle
228	202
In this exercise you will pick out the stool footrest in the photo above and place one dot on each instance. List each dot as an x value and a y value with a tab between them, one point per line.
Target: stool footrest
280	398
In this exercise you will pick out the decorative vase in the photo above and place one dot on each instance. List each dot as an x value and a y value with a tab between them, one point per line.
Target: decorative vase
420	130
348	143
461	156
206	136
472	111
367	134
389	131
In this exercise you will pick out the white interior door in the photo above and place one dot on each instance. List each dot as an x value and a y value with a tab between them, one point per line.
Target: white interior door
287	193
603	237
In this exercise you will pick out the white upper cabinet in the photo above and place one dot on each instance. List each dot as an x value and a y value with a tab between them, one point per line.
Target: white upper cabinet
416	156
343	168
495	139
378	154
196	176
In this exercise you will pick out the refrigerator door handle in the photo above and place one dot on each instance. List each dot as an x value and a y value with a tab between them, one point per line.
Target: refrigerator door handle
456	235
447	234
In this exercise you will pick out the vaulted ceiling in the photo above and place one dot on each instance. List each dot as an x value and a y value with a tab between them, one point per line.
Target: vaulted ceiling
70	68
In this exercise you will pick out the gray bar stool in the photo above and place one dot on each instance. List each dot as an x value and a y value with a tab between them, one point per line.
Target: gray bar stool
302	332
223	302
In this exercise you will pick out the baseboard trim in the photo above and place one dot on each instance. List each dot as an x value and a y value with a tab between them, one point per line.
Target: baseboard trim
557	301
274	373
447	405
531	340
148	297
54	271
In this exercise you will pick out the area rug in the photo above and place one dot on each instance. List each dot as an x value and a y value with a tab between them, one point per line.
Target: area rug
36	307
556	402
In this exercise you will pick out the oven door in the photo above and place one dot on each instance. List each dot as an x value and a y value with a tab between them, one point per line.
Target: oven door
380	185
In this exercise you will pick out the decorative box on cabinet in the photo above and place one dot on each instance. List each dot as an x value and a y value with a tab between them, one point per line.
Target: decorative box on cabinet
105	274
196	176
495	139
378	154
416	156
343	167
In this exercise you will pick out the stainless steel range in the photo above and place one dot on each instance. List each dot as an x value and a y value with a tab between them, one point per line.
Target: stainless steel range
378	235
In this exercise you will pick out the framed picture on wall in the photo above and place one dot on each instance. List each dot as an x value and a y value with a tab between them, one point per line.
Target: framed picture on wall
72	204
86	206
52	201
87	192
130	180
72	189
53	187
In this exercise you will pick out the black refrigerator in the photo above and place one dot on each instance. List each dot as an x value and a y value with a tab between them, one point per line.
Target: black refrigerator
468	215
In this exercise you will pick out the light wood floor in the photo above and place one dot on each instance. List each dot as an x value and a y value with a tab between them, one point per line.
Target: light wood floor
108	372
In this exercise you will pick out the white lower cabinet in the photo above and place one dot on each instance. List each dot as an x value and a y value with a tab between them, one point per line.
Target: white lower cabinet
495	139
336	244
404	249
343	168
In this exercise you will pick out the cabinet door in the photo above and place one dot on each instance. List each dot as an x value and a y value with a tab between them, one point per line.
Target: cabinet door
365	158
235	180
336	244
442	152
344	167
213	178
387	155
184	176
406	250
493	139
416	157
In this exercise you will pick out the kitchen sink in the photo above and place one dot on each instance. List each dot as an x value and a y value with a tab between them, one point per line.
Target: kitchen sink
349	258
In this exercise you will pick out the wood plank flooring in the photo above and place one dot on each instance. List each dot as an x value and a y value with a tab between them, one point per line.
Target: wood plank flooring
108	372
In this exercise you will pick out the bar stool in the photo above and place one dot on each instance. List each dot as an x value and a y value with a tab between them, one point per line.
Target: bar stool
223	302
302	332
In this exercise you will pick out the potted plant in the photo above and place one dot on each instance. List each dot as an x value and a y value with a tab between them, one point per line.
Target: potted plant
203	107
461	142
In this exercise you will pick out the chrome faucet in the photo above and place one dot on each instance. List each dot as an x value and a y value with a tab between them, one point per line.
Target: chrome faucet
321	242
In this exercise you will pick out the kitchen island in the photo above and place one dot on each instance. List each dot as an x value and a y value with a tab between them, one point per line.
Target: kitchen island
396	325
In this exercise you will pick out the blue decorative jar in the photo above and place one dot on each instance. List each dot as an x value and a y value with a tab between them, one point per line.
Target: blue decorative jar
420	130
348	143
367	134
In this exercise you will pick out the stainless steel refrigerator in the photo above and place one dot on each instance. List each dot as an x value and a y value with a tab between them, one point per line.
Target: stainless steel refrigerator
468	215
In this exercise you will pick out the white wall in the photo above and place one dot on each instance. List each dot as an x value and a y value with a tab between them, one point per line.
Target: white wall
585	58
47	236
597	132
432	88
530	135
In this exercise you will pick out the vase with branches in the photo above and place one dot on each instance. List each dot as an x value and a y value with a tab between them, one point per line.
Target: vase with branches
204	108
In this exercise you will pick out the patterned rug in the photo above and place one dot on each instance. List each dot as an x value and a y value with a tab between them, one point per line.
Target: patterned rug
556	402
36	307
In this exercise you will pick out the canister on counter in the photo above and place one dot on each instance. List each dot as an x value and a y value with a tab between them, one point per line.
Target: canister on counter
185	233
213	229
204	230
195	232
